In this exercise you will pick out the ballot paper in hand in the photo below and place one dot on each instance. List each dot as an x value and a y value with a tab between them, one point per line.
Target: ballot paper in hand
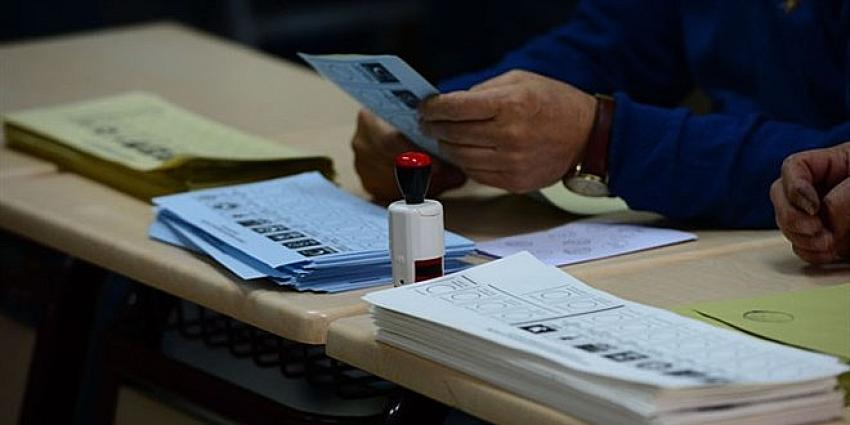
539	332
299	231
385	85
587	240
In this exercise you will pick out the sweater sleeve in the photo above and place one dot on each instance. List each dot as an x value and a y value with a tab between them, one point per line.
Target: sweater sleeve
604	49
712	169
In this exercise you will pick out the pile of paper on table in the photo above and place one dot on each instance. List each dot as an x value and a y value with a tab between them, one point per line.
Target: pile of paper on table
145	146
538	332
299	231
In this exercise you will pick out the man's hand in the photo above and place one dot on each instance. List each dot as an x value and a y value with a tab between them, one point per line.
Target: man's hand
519	131
812	203
376	144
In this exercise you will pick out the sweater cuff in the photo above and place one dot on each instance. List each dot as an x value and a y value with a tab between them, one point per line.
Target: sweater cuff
637	158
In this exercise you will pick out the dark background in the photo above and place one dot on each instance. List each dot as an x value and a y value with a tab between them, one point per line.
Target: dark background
438	37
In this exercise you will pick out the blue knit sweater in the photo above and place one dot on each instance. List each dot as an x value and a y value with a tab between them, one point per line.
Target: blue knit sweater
779	83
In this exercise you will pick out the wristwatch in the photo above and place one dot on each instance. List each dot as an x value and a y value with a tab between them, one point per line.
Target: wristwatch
590	176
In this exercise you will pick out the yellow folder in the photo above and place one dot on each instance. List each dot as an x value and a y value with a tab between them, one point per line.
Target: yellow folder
814	319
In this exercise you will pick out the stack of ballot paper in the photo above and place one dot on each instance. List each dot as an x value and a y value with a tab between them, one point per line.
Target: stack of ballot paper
536	331
299	231
141	144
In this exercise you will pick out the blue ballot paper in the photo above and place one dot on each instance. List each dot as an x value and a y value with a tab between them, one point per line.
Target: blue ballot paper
299	231
384	84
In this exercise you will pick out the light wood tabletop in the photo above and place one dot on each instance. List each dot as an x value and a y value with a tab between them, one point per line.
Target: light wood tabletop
14	164
222	80
768	267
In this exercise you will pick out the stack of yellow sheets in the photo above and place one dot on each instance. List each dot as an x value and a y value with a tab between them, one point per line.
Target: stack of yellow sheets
141	144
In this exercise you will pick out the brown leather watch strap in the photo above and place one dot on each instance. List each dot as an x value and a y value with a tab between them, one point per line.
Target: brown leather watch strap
596	153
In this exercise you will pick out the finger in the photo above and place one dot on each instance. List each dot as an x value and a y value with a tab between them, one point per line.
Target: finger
471	133
796	221
471	157
461	106
361	140
508	78
382	138
822	242
501	179
798	183
804	172
837	206
829	165
445	176
372	123
377	180
791	219
490	178
815	257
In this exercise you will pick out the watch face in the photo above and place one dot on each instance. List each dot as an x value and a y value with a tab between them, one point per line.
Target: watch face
587	186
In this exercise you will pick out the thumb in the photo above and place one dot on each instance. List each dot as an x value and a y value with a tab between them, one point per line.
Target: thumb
444	177
837	208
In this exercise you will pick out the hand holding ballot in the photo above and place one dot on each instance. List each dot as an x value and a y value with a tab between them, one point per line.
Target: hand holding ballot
519	131
391	91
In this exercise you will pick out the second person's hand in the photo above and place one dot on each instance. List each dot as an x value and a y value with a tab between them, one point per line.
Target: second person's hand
812	203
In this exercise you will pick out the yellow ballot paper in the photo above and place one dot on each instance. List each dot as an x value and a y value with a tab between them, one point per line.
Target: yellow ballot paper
140	143
814	319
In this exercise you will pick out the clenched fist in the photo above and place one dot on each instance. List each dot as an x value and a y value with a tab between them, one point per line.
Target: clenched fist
519	131
812	203
376	144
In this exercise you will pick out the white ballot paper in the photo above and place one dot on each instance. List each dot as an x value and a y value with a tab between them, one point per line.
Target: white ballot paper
581	241
538	331
385	85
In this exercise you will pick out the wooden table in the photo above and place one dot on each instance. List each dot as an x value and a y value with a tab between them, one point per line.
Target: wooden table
14	165
268	97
